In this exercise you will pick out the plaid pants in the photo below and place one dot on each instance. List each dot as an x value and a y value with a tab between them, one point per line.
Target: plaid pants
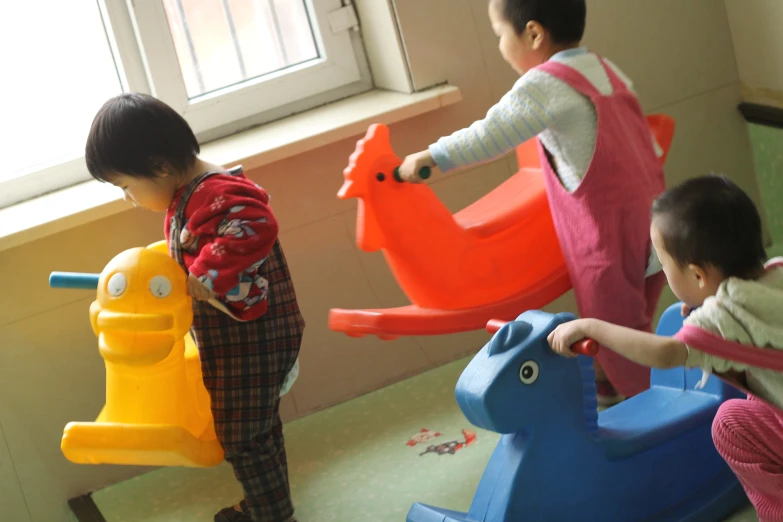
244	366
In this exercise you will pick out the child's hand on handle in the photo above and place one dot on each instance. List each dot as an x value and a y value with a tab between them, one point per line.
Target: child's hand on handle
413	164
582	346
198	290
685	310
566	335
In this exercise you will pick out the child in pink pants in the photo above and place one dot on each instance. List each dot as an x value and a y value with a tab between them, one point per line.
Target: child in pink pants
749	435
707	234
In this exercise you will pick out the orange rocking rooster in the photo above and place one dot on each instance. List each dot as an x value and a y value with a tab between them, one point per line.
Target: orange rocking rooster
494	259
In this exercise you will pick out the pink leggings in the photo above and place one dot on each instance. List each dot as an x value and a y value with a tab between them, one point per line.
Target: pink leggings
749	436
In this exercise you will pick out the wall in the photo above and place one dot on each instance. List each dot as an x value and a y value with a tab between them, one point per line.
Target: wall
768	155
758	46
757	42
680	55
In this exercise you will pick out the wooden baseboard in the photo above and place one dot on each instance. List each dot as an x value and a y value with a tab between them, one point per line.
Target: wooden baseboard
766	115
85	509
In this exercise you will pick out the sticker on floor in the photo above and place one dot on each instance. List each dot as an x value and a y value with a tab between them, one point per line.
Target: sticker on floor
423	436
452	447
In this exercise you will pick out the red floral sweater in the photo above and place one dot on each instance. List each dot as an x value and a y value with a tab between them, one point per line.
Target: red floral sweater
228	233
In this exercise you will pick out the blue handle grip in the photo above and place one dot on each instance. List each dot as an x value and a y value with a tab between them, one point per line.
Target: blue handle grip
74	280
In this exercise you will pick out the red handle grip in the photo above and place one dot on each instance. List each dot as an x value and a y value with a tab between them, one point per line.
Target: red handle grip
584	347
495	324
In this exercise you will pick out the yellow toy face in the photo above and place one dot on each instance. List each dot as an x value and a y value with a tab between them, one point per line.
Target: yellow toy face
142	308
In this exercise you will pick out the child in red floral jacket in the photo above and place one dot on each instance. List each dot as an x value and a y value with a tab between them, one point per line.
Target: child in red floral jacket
246	319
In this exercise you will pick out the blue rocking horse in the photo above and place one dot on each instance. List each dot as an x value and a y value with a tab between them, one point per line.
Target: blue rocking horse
650	458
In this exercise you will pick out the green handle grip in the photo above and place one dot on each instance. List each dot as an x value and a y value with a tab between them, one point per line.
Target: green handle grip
424	173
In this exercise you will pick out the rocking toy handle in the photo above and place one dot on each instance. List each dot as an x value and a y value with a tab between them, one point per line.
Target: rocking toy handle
494	325
74	280
584	347
424	173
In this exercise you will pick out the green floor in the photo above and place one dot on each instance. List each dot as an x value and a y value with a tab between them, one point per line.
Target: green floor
349	463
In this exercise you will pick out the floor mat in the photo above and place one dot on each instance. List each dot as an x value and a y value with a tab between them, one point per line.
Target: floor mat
364	460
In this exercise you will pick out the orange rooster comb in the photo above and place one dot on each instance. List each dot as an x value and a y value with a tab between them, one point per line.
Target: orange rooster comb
376	143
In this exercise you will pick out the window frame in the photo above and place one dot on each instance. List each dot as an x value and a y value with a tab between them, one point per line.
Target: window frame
134	26
336	67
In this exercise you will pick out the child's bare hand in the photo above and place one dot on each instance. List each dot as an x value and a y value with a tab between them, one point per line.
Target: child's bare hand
566	335
409	170
685	310
198	290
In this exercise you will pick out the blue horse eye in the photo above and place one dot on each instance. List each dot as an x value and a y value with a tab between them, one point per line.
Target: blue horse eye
528	373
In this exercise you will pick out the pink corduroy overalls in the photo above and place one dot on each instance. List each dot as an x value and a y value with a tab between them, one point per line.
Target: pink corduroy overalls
604	225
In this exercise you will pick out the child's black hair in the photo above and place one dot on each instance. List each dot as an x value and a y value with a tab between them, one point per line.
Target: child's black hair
137	135
564	19
710	221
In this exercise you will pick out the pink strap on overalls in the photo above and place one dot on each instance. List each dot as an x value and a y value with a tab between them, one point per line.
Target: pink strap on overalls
716	345
578	81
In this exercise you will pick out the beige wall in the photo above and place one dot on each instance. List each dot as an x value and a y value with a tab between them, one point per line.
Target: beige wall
680	56
758	44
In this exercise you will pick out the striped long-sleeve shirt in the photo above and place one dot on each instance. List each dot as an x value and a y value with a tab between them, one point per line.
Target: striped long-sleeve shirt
538	105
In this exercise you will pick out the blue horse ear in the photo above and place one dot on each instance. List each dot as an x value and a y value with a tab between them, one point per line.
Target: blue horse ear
565	317
511	335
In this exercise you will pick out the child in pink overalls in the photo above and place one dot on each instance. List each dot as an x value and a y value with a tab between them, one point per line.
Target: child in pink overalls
599	160
707	233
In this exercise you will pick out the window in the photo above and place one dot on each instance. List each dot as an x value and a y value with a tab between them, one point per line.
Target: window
228	58
220	44
50	92
224	65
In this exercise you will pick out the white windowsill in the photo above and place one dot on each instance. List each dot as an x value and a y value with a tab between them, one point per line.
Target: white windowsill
89	201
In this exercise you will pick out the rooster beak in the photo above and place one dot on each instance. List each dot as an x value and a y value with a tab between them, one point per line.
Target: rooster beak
347	190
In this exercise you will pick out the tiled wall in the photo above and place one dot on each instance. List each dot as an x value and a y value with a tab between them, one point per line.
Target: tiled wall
680	56
755	29
758	47
768	153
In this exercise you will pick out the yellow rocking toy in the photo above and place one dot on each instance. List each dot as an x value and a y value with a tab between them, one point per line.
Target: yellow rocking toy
157	410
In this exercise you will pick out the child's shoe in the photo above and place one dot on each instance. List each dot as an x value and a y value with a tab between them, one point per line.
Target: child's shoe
606	394
238	513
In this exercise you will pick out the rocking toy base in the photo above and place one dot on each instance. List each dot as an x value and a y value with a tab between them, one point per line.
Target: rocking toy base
137	445
391	323
424	513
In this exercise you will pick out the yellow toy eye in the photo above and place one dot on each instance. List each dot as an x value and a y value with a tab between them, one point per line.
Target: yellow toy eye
117	284
160	286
